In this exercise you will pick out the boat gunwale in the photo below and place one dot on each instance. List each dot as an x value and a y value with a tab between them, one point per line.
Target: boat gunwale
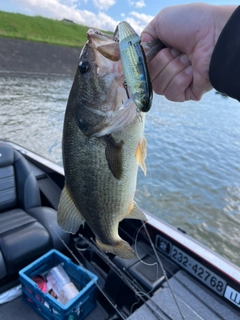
204	253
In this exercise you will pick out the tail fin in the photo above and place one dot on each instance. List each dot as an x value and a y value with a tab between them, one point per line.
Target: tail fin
121	249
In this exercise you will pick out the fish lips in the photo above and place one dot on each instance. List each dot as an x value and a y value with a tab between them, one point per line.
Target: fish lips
104	44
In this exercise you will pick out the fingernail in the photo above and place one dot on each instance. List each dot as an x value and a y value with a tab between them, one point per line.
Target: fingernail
184	59
175	52
188	70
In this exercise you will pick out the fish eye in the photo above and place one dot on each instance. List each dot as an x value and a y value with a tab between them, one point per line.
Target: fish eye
83	67
144	101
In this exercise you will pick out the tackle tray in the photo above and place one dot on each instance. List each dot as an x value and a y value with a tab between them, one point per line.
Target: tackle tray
46	305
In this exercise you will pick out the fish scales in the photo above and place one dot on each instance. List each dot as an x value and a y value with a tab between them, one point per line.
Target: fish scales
103	144
100	193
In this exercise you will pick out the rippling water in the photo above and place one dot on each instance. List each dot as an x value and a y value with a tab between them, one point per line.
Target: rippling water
193	162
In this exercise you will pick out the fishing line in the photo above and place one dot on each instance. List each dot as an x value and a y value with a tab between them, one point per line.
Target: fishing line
133	285
135	303
163	270
99	288
141	246
135	246
154	249
181	282
160	264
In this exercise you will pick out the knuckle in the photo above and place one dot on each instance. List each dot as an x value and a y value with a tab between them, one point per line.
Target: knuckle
176	89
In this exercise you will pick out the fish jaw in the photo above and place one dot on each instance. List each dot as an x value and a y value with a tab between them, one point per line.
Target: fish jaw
98	99
107	53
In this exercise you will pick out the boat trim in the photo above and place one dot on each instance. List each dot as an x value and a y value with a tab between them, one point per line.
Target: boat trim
204	253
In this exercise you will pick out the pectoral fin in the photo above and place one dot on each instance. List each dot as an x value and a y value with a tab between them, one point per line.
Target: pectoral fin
69	218
114	156
135	212
141	154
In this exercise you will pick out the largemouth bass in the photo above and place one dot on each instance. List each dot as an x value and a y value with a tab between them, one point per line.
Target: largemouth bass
103	144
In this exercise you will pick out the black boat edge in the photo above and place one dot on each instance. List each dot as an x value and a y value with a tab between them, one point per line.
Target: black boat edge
205	285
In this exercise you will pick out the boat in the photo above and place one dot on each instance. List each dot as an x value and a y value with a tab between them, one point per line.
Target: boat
173	277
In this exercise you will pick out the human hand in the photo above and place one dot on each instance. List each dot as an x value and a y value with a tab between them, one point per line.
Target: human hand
190	32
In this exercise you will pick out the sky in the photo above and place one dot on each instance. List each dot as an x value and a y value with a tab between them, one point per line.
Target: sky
101	14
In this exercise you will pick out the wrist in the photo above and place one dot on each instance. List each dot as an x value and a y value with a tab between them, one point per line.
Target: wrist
221	15
224	67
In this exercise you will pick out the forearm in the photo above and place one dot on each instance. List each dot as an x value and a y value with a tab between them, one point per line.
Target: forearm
224	70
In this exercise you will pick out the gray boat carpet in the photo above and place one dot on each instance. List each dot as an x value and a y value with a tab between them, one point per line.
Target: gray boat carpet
195	301
18	310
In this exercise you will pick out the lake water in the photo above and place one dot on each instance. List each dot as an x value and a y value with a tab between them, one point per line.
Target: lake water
193	163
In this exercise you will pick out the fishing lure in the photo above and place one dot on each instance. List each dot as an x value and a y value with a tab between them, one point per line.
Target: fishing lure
137	81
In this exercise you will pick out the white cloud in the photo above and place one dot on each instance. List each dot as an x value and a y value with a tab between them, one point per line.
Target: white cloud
138	20
68	2
103	4
137	4
142	17
60	9
140	4
105	22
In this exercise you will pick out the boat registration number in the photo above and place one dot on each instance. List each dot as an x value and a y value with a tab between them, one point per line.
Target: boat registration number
198	270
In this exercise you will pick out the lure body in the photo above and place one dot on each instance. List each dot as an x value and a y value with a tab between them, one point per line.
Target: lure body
137	80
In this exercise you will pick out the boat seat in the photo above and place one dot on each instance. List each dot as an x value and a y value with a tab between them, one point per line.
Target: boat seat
27	229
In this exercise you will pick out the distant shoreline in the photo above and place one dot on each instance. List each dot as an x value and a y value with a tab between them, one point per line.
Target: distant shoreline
35	58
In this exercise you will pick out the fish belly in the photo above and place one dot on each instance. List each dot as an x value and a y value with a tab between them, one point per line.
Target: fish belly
101	199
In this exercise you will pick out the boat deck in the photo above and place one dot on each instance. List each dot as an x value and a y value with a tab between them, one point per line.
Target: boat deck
195	302
206	286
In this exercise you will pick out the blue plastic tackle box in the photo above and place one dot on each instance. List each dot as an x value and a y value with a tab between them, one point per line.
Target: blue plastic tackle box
45	304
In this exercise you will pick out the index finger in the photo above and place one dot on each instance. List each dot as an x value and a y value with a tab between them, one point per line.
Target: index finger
149	33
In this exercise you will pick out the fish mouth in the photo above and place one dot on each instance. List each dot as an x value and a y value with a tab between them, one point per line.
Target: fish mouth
104	44
97	38
97	34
